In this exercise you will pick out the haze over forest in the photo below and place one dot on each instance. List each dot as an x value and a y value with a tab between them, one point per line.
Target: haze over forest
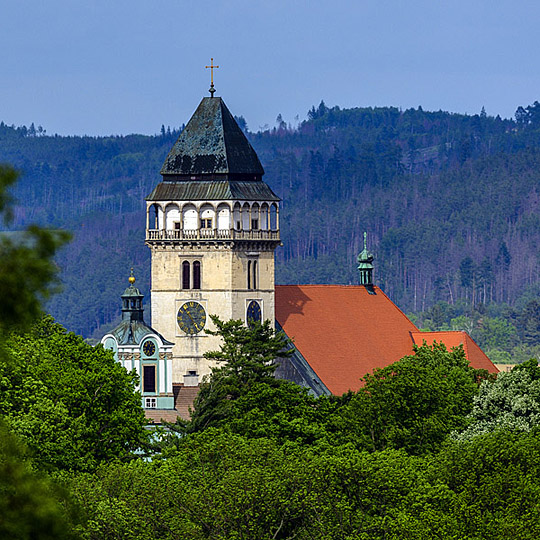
450	203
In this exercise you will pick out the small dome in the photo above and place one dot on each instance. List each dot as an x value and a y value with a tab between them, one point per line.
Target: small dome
132	290
365	257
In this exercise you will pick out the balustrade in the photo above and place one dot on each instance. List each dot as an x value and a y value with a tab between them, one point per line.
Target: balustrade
210	234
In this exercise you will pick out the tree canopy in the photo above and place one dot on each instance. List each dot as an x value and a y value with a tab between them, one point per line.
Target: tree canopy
414	403
246	358
72	404
510	403
31	506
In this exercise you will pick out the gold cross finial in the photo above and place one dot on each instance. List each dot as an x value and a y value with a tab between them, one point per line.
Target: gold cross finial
211	67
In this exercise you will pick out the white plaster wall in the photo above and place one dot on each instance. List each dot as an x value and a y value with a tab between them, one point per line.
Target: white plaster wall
172	216
191	219
224	216
246	225
162	386
169	376
264	218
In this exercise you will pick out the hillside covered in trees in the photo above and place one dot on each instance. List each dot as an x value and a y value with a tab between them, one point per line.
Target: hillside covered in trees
450	203
428	447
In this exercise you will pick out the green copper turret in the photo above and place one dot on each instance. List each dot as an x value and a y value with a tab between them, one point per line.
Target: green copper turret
365	266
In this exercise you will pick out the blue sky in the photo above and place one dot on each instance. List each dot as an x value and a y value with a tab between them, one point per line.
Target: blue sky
119	67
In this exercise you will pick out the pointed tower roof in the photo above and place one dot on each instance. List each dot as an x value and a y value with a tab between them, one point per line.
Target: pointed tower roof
212	143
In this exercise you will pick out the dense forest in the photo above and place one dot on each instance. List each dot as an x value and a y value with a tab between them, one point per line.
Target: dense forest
450	203
428	447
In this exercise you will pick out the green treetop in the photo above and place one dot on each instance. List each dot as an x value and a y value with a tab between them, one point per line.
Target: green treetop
246	358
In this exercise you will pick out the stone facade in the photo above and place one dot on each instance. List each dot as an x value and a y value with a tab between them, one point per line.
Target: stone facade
223	292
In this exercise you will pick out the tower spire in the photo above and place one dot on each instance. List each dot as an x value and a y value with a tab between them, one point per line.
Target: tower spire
365	265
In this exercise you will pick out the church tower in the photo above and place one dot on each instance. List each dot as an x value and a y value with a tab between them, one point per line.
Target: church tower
212	226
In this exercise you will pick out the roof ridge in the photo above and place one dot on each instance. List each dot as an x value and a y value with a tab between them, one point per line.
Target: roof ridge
222	127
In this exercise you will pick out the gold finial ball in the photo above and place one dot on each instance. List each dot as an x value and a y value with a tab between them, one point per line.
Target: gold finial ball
131	278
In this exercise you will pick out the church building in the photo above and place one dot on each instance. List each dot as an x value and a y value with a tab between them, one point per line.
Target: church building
212	227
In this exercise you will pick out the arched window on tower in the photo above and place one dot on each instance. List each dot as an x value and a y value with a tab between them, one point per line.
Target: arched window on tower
255	217
185	275
237	217
207	217
249	275
254	274
153	217
273	218
197	275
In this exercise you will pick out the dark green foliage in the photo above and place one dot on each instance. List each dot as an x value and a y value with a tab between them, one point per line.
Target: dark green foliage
496	486
217	486
530	323
412	404
507	335
72	404
284	412
30	505
247	359
247	352
224	486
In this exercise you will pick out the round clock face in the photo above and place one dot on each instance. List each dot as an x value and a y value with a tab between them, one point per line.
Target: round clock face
253	312
191	317
149	348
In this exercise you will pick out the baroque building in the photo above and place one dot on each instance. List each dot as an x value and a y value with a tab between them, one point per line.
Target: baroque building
138	346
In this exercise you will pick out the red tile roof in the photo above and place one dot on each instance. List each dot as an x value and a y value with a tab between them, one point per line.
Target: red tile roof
156	416
474	353
344	332
184	396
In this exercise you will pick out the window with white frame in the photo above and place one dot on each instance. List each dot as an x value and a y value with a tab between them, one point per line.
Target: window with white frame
150	403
